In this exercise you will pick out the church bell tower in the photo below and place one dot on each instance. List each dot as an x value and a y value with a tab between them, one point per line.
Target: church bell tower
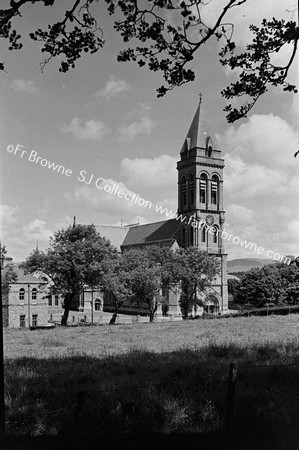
200	202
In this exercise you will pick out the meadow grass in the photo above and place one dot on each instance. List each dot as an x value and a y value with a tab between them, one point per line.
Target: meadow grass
159	377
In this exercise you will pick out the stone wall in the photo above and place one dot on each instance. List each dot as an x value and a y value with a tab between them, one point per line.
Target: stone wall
34	307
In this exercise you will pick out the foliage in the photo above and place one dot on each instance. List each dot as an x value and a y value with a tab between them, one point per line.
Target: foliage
196	271
274	284
76	258
169	33
233	286
9	276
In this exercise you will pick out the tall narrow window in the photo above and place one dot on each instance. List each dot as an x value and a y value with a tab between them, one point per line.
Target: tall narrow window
203	188
184	191
22	321
34	320
191	188
34	294
203	233
22	294
49	300
214	190
56	300
215	235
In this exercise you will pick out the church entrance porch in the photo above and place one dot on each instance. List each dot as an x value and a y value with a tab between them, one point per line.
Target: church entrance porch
211	305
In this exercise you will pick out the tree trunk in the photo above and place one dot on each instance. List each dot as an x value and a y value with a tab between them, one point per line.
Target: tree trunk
151	316
65	316
67	303
113	319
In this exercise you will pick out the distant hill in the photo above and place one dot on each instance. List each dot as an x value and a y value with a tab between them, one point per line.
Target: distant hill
246	264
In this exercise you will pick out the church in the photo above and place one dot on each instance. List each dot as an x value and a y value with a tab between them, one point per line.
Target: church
200	201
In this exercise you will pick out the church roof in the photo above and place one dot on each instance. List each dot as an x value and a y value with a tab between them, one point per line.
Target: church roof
199	132
115	234
152	232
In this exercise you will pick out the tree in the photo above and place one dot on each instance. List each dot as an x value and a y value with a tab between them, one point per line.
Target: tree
233	287
139	275
76	258
261	287
196	270
166	46
9	275
117	280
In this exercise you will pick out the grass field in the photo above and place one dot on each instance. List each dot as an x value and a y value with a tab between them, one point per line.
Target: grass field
159	377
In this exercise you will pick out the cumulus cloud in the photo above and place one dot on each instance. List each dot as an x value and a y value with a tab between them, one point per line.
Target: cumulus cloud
143	125
36	230
24	86
263	139
20	238
92	130
150	172
113	88
261	183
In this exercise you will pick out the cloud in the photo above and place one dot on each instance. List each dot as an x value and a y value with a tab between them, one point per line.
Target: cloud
113	88
150	172
92	130
8	218
36	230
263	139
240	214
261	184
128	133
20	238
24	86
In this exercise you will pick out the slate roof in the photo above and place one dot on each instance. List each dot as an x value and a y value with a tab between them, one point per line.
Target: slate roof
22	276
116	235
198	132
152	232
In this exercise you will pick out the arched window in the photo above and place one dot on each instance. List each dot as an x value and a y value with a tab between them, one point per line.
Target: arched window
215	235
203	188
21	294
214	190
209	147
191	188
184	191
34	294
56	300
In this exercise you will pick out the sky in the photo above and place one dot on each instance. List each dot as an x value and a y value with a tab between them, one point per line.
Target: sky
103	123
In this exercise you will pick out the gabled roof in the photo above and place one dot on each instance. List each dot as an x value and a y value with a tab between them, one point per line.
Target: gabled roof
116	235
199	132
23	277
152	232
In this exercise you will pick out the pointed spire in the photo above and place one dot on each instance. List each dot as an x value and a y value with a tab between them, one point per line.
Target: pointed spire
36	248
199	131
74	223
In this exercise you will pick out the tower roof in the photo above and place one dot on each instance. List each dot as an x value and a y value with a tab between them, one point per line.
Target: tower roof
199	132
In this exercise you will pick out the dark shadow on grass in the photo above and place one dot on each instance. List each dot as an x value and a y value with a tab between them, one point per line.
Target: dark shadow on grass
183	393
